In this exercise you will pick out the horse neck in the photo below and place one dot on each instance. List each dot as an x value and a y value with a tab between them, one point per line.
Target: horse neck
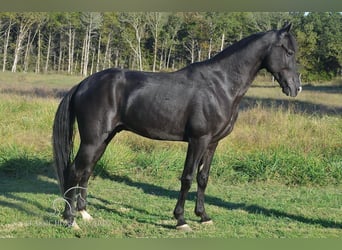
241	62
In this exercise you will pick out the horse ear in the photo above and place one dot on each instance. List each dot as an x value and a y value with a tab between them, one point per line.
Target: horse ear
286	28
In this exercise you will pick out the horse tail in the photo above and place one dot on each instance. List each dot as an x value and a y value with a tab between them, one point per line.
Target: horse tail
63	137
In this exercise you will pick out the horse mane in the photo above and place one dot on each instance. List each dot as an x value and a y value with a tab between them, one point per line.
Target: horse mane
239	45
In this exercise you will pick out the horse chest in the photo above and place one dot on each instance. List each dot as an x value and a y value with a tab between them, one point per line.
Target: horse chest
226	126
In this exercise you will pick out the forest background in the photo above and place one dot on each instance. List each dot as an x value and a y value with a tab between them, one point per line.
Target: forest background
81	43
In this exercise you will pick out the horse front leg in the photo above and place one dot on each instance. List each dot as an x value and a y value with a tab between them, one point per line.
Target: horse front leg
202	181
196	150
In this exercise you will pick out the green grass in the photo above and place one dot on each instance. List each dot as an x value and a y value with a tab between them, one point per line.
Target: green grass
278	175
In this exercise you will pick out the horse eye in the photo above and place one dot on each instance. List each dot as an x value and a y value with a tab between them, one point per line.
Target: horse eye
289	52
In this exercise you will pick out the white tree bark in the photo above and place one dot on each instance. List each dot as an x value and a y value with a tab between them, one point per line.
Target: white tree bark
6	41
48	53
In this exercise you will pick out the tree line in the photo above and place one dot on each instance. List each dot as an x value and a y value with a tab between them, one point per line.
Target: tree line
86	42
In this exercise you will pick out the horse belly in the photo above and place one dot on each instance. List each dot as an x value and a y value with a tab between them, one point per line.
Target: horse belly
159	118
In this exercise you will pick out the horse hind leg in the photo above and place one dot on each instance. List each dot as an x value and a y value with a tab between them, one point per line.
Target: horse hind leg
202	181
86	159
69	195
78	175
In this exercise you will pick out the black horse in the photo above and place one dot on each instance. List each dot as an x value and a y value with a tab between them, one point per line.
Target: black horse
197	104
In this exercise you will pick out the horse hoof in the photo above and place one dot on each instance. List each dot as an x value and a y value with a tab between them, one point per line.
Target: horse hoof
85	215
208	222
74	226
184	228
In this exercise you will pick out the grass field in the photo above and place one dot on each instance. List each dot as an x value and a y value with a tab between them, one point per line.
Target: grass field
278	175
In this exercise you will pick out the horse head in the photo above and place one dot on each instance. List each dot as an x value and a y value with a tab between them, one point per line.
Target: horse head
281	61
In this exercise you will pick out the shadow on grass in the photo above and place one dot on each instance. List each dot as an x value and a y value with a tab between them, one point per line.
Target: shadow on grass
22	174
330	89
146	218
333	89
26	175
38	92
11	185
295	105
253	209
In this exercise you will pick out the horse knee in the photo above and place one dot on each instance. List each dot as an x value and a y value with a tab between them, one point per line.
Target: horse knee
186	182
202	180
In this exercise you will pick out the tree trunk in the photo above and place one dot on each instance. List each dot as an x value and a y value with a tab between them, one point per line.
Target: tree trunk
69	50
60	58
17	50
28	49
191	49
26	58
86	53
24	27
48	53
38	53
139	54
87	49
92	62
98	54
155	48
106	55
222	41
82	55
6	46
109	56
210	48
76	62
169	57
161	59
72	51
116	58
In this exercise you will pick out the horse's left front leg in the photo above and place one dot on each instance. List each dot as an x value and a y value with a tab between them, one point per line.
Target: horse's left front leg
202	180
196	150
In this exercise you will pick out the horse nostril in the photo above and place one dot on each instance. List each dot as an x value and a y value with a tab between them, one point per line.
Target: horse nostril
299	89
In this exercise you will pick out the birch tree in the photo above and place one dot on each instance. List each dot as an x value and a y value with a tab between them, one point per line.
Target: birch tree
92	21
73	22
155	21
137	22
25	22
170	31
9	19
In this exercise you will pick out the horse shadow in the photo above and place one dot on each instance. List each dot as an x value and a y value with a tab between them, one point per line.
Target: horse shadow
155	190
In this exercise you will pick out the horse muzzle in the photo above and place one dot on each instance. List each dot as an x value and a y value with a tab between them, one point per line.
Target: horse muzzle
291	90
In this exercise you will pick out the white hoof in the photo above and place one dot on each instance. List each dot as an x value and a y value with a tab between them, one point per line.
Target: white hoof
184	228
209	222
74	226
85	215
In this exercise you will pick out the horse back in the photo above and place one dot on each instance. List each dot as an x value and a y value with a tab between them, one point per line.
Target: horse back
164	106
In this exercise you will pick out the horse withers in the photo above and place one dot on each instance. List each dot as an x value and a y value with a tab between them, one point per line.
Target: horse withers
197	104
